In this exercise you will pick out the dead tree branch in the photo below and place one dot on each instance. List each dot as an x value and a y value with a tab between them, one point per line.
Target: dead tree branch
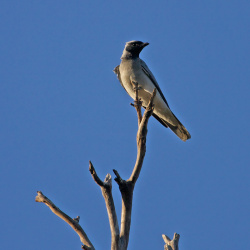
141	139
74	223
120	240
106	188
119	237
171	244
127	187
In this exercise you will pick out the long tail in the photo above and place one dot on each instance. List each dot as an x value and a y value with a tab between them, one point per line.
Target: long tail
179	129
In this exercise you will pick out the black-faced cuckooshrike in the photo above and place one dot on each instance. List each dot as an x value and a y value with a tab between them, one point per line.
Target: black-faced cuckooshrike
134	70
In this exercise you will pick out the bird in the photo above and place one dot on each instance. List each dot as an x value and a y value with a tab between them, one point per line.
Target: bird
132	72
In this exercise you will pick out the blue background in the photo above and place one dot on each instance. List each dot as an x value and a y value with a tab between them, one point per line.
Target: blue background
61	106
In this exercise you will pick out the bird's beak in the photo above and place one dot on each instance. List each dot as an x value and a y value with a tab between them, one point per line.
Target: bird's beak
145	44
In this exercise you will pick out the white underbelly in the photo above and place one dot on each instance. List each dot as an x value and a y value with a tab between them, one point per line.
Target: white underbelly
160	107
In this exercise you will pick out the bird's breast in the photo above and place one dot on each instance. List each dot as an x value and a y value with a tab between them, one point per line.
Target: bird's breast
131	71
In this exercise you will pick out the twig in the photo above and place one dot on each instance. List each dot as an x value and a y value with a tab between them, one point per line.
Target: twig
141	139
106	188
118	178
171	244
94	175
74	223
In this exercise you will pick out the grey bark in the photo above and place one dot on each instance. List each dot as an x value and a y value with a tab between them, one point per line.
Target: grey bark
106	188
171	244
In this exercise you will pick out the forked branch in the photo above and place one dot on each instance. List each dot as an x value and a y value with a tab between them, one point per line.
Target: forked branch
119	238
106	188
171	244
141	139
127	187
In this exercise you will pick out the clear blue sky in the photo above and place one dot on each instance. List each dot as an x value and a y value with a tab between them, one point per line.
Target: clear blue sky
61	106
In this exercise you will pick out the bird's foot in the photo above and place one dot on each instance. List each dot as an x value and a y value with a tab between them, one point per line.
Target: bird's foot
136	86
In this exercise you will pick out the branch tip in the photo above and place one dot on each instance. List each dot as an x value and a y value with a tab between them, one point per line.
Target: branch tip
171	244
77	219
176	236
40	197
116	173
91	167
108	179
166	238
94	175
118	178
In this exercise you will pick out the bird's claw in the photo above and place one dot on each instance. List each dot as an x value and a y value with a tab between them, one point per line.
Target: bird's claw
136	86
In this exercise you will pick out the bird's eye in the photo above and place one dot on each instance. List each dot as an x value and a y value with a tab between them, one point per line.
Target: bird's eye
134	44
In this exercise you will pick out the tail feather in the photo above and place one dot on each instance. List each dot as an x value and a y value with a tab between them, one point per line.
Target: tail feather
178	129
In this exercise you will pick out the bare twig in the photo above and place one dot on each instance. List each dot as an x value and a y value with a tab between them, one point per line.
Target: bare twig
118	178
74	223
106	188
141	139
171	244
94	175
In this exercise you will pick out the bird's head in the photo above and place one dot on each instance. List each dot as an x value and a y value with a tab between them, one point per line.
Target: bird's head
133	49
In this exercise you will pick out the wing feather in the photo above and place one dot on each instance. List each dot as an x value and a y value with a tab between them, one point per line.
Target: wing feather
150	75
117	72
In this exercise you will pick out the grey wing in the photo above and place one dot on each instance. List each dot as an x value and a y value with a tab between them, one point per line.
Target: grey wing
150	75
117	72
164	123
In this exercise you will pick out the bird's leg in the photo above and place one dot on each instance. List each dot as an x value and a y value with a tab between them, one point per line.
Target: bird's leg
137	102
136	89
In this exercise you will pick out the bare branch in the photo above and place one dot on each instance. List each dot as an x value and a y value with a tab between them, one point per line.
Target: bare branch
106	188
165	238
127	187
141	139
171	244
72	222
94	175
118	178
